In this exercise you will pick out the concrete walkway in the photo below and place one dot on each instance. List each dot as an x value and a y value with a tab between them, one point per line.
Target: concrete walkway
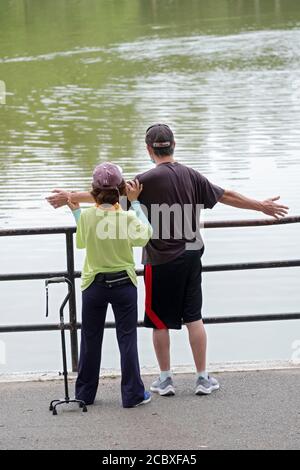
253	410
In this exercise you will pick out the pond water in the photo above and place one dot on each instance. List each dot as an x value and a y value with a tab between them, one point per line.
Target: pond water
84	79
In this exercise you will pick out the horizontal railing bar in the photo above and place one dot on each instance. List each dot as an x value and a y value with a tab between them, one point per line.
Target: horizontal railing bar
251	318
140	272
251	222
243	266
32	328
254	265
32	276
234	319
12	232
110	325
208	224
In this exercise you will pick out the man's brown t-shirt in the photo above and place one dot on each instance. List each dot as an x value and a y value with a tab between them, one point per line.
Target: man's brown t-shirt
185	191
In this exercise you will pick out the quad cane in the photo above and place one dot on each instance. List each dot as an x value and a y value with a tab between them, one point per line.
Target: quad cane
67	400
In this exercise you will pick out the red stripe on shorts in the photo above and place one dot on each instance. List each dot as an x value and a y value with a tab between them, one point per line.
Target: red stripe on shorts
152	315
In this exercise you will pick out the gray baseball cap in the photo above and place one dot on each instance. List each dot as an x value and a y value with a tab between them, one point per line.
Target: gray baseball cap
159	136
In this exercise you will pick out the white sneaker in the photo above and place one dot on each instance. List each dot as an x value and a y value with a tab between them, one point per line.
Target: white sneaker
206	386
164	388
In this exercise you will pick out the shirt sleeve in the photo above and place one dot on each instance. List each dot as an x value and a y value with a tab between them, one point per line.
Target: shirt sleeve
81	233
136	206
210	193
76	213
139	228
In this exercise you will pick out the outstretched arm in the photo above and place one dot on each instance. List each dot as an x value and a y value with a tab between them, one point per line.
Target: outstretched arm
269	206
61	198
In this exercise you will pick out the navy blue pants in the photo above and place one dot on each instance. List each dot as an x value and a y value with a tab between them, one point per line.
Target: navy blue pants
95	300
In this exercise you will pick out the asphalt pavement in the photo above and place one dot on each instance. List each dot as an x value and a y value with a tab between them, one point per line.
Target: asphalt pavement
252	410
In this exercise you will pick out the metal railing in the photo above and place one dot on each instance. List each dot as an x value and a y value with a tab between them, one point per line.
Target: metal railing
71	274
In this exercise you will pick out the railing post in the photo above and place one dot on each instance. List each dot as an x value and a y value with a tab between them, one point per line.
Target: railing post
72	301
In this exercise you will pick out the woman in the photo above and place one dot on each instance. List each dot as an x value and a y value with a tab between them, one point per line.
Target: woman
108	277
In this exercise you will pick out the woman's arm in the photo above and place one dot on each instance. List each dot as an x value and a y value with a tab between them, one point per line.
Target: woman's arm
76	210
80	233
136	206
141	231
76	213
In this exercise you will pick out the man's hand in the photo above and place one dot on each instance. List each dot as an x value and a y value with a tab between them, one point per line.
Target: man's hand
269	206
134	189
60	198
272	208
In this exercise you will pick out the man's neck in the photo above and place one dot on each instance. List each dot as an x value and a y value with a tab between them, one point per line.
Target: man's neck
164	160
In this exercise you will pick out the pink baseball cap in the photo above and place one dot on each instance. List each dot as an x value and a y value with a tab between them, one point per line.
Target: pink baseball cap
107	176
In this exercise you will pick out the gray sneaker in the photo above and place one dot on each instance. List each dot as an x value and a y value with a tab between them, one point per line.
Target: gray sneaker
206	386
164	388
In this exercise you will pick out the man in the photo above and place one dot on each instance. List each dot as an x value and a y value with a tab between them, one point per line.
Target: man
172	196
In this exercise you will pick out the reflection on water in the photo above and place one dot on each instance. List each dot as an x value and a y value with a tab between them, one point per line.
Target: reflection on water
226	78
85	78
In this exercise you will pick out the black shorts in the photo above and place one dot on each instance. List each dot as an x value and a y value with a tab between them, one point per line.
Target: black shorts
174	292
